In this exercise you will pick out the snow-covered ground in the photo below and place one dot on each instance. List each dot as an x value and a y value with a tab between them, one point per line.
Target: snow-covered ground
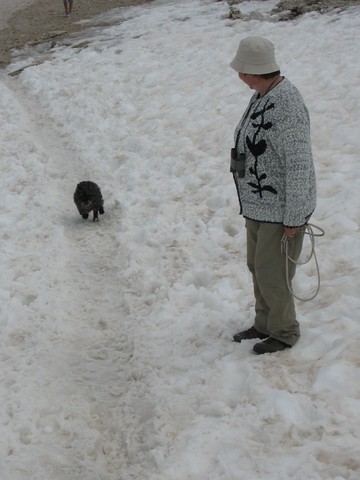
117	360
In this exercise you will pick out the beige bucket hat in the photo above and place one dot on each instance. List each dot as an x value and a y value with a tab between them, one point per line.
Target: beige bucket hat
255	55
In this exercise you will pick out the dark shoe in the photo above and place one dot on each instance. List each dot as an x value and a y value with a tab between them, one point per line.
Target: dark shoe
270	345
248	335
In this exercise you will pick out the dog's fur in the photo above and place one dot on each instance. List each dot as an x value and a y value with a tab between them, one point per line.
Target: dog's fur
87	198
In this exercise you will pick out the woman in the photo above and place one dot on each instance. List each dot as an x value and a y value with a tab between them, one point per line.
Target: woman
274	175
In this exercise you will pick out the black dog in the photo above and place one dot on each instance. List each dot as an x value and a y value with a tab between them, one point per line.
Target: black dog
87	198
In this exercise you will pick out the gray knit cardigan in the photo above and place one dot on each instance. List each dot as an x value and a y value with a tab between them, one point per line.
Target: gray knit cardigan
274	133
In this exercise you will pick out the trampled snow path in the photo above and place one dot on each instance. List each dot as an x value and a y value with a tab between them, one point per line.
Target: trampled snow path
83	348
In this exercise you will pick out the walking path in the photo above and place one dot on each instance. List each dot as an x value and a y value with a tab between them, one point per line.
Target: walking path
90	393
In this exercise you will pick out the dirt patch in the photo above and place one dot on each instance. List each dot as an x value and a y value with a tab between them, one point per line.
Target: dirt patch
289	9
44	20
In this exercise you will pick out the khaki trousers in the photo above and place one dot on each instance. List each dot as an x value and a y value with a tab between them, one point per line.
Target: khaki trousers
274	305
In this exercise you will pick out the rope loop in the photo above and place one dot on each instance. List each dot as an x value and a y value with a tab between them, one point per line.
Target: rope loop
309	230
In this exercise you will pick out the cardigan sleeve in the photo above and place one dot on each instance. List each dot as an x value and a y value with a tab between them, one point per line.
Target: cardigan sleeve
298	161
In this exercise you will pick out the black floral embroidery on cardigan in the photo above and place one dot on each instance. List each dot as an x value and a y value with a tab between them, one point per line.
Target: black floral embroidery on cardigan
257	148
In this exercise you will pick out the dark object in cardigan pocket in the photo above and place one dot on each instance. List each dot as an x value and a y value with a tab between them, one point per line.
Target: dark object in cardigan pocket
237	163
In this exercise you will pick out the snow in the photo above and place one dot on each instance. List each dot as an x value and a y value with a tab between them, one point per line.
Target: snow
116	336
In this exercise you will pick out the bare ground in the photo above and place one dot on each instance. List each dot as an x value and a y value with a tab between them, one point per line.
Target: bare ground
43	20
293	8
289	9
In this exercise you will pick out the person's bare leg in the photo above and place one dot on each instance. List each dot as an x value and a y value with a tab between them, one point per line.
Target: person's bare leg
66	10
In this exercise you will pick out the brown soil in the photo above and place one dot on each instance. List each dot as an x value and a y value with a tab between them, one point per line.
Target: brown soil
44	20
290	9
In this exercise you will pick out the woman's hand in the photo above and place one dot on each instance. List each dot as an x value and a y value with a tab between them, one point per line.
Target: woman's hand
291	232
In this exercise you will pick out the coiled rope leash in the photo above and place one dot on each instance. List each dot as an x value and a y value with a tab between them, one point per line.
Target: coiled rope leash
284	248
